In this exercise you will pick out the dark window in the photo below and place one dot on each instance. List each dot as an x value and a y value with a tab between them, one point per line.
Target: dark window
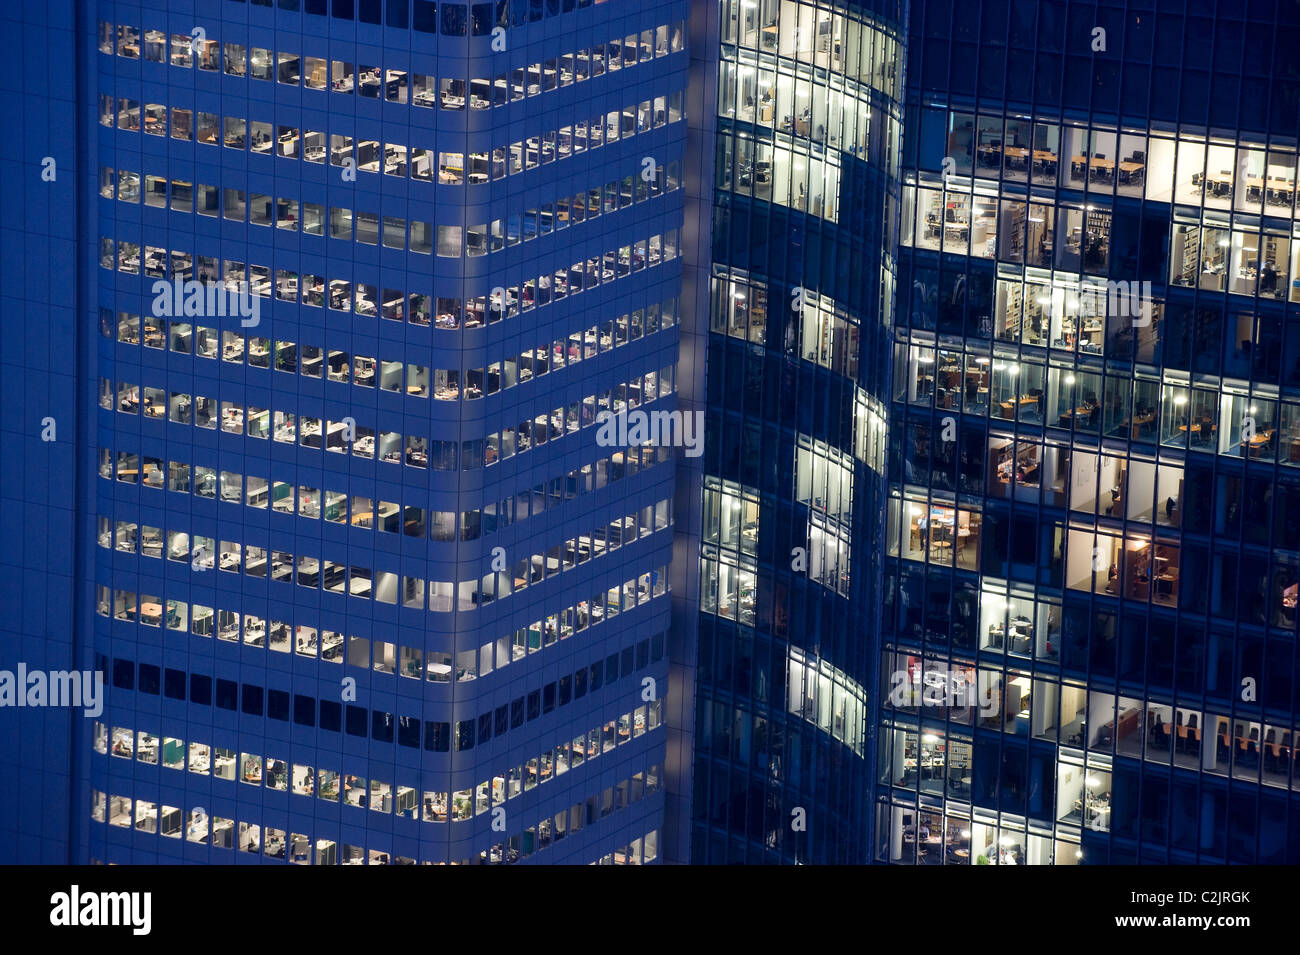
368	11
200	689
304	710
408	731
435	737
356	725
484	727
611	668
227	694
534	704
426	16
381	726
548	697
596	671
502	719
124	674
149	681
566	689
481	19
399	14
464	735
517	713
343	10
315	7
453	19
657	647
580	684
252	700
331	715
277	705
642	654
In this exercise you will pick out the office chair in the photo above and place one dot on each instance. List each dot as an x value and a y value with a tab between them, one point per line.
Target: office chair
1193	735
1180	731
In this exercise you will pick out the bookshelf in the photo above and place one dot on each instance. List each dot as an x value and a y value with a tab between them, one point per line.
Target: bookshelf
1187	255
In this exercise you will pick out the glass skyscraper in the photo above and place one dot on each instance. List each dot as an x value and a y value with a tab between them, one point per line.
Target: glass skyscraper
579	431
793	287
1089	642
368	584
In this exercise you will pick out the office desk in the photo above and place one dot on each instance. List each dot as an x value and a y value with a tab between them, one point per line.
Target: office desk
1282	186
1083	412
1135	425
1128	722
1081	163
1255	446
1046	158
1017	402
1218	180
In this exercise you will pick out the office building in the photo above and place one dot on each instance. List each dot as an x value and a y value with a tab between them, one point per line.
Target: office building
1089	640
368	585
946	514
792	287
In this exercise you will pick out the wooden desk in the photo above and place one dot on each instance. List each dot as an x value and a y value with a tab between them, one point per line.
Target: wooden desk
1083	411
1021	402
1135	425
1256	445
1274	185
1093	161
1218	179
1128	168
1046	159
1128	722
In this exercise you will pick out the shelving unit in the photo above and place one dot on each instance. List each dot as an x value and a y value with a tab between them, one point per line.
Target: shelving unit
1014	317
1013	227
1187	252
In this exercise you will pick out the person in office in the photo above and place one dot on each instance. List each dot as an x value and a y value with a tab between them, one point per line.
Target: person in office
923	530
1268	278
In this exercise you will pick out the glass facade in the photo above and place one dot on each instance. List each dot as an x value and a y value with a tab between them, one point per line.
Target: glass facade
368	585
795	301
575	431
1092	543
